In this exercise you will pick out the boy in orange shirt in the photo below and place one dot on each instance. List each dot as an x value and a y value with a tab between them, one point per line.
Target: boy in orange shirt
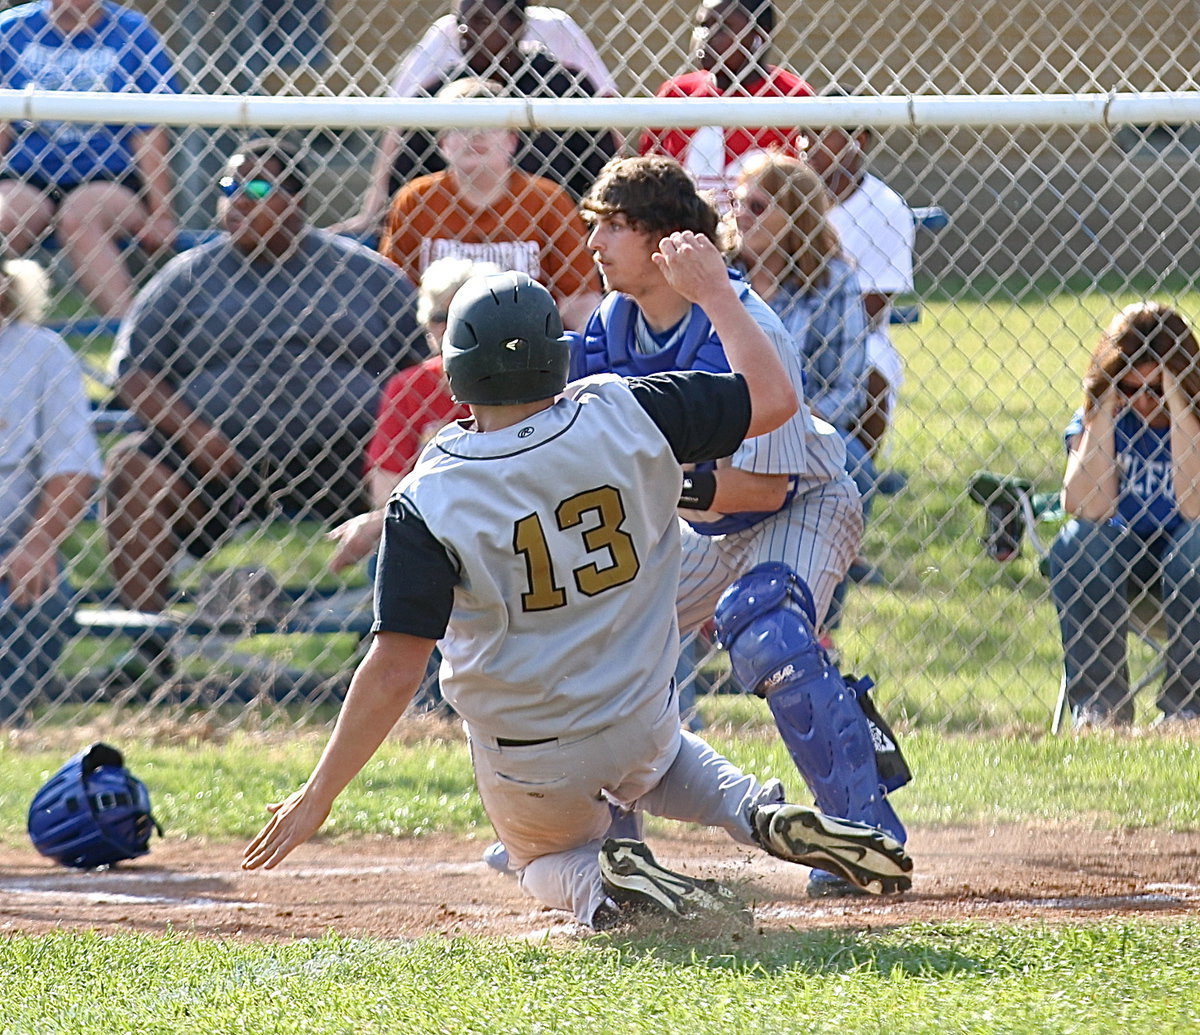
483	208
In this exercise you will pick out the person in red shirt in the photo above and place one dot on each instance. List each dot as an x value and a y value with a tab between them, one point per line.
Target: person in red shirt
731	42
415	405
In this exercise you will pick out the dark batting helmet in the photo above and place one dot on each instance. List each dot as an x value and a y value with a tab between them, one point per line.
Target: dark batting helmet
504	342
92	812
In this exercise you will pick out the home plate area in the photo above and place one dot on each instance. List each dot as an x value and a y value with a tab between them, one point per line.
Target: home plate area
438	885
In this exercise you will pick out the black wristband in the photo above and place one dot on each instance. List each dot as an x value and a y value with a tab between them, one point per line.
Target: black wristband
699	488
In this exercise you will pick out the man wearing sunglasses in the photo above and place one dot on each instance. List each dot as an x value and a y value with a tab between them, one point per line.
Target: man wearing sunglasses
254	363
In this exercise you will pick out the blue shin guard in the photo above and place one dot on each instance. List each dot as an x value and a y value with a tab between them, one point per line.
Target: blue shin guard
767	622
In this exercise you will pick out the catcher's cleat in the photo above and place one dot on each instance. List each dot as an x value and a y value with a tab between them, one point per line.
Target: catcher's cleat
865	856
637	883
822	884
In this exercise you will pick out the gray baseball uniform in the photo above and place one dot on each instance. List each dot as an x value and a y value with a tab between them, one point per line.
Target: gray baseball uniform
549	579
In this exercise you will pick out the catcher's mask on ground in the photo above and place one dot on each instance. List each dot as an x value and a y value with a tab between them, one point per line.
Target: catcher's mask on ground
92	812
504	342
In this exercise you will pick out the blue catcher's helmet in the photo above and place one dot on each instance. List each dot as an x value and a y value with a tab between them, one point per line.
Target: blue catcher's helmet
92	812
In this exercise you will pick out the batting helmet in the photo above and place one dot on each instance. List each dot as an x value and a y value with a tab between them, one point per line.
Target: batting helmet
504	342
92	812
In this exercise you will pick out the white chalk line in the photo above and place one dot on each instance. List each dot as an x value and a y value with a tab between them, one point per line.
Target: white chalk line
15	895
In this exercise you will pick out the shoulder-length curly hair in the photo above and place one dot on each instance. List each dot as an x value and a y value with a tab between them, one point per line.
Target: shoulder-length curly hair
1145	332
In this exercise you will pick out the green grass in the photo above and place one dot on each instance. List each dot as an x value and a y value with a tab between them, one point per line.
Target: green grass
1112	976
420	783
1101	976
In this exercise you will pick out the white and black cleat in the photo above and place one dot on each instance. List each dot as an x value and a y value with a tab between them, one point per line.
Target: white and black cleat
864	855
637	883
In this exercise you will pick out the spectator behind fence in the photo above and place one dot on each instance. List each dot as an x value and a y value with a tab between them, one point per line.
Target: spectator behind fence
794	260
731	42
49	463
877	233
255	362
1132	489
549	28
93	185
416	404
482	207
490	34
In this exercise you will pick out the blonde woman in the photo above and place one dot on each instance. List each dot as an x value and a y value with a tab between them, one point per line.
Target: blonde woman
49	462
793	260
792	257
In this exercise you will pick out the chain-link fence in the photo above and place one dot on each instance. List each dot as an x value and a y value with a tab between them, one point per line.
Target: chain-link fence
234	410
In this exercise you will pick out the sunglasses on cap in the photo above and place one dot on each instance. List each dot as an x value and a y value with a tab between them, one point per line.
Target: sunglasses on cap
258	189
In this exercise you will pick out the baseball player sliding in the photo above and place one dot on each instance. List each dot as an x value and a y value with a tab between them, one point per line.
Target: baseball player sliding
780	516
539	543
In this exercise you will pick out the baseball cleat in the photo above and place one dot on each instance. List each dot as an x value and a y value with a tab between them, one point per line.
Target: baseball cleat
822	884
636	882
865	856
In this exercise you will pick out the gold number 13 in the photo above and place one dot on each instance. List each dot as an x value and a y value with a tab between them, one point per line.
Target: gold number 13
529	539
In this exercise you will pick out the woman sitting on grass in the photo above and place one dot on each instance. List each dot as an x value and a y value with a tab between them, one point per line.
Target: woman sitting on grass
1132	489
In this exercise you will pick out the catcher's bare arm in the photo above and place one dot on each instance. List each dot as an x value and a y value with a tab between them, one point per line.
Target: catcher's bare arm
381	689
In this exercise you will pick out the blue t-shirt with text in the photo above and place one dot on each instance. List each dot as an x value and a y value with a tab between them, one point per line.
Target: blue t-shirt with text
120	53
1146	498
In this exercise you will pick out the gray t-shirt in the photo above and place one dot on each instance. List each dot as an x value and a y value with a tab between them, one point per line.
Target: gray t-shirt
286	358
45	426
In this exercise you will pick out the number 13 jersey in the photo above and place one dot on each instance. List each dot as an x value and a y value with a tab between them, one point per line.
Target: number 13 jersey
545	556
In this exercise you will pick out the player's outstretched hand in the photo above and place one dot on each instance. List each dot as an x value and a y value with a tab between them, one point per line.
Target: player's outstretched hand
692	265
294	820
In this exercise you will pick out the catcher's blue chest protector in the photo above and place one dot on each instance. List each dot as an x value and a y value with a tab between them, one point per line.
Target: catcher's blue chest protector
608	346
767	622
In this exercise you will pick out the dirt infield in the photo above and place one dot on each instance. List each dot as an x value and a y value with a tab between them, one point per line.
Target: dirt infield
404	889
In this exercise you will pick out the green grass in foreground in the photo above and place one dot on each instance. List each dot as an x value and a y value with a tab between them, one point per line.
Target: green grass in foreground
1127	977
205	790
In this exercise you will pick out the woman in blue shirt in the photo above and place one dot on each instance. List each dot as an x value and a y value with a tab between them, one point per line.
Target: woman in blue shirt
1132	489
792	258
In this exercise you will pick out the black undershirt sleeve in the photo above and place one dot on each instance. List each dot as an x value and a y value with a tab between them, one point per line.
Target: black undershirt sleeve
703	416
415	580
